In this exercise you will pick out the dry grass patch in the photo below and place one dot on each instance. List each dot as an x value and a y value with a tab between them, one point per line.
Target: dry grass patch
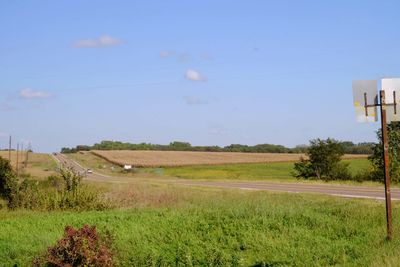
39	165
139	158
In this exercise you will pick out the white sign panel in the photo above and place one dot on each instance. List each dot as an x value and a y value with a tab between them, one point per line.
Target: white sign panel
365	91
392	93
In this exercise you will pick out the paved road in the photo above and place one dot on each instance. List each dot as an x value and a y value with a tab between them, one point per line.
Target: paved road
328	189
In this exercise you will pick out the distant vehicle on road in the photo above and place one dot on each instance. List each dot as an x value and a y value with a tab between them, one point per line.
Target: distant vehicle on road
89	171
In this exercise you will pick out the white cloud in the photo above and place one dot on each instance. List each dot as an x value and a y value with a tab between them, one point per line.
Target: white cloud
28	93
103	41
194	76
194	100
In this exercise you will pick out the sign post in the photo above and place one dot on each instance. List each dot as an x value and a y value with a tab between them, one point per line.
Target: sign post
385	144
366	92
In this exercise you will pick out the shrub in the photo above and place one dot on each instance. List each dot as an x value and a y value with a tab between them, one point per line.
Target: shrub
82	247
58	193
323	161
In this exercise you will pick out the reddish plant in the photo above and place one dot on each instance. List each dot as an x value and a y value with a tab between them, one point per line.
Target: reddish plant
81	247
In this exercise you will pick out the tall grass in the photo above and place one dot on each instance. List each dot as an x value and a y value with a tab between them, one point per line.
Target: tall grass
222	228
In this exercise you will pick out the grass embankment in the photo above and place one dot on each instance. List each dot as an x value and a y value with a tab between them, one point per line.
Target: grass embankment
221	228
39	165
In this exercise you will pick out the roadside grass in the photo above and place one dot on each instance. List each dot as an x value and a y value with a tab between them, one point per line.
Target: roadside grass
221	228
39	165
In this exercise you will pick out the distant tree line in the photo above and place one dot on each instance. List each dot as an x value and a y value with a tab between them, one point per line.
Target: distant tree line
348	147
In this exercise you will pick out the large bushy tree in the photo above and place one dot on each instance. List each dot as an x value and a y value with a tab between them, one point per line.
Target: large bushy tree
8	181
323	161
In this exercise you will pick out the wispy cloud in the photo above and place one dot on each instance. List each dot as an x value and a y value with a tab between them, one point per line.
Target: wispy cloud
166	54
102	41
28	93
194	75
194	100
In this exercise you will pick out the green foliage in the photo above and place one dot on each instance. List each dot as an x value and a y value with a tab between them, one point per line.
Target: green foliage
349	147
360	148
82	247
8	182
394	154
303	169
72	179
323	161
63	192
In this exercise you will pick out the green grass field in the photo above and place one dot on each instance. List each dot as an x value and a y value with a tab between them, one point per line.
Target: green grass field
221	228
254	171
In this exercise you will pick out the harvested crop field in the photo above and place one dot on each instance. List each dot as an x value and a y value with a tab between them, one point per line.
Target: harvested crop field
139	158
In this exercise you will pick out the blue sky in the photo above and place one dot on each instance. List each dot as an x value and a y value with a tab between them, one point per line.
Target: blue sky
205	72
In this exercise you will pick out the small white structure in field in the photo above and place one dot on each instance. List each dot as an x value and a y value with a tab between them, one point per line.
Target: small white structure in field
127	167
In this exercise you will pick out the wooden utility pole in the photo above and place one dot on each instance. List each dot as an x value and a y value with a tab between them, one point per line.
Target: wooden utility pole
27	155
17	169
386	163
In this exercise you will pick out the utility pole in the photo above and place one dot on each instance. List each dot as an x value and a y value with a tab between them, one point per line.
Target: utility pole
27	154
17	169
22	154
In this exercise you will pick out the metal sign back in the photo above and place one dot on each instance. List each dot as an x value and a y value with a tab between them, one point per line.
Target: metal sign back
392	96
365	93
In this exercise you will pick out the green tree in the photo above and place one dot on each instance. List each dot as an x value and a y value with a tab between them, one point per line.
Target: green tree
8	181
394	154
323	161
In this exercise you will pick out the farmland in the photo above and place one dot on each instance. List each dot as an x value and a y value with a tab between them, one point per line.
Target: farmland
273	171
39	165
186	158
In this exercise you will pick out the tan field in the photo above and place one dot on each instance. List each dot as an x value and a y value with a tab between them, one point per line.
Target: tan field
139	158
39	165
